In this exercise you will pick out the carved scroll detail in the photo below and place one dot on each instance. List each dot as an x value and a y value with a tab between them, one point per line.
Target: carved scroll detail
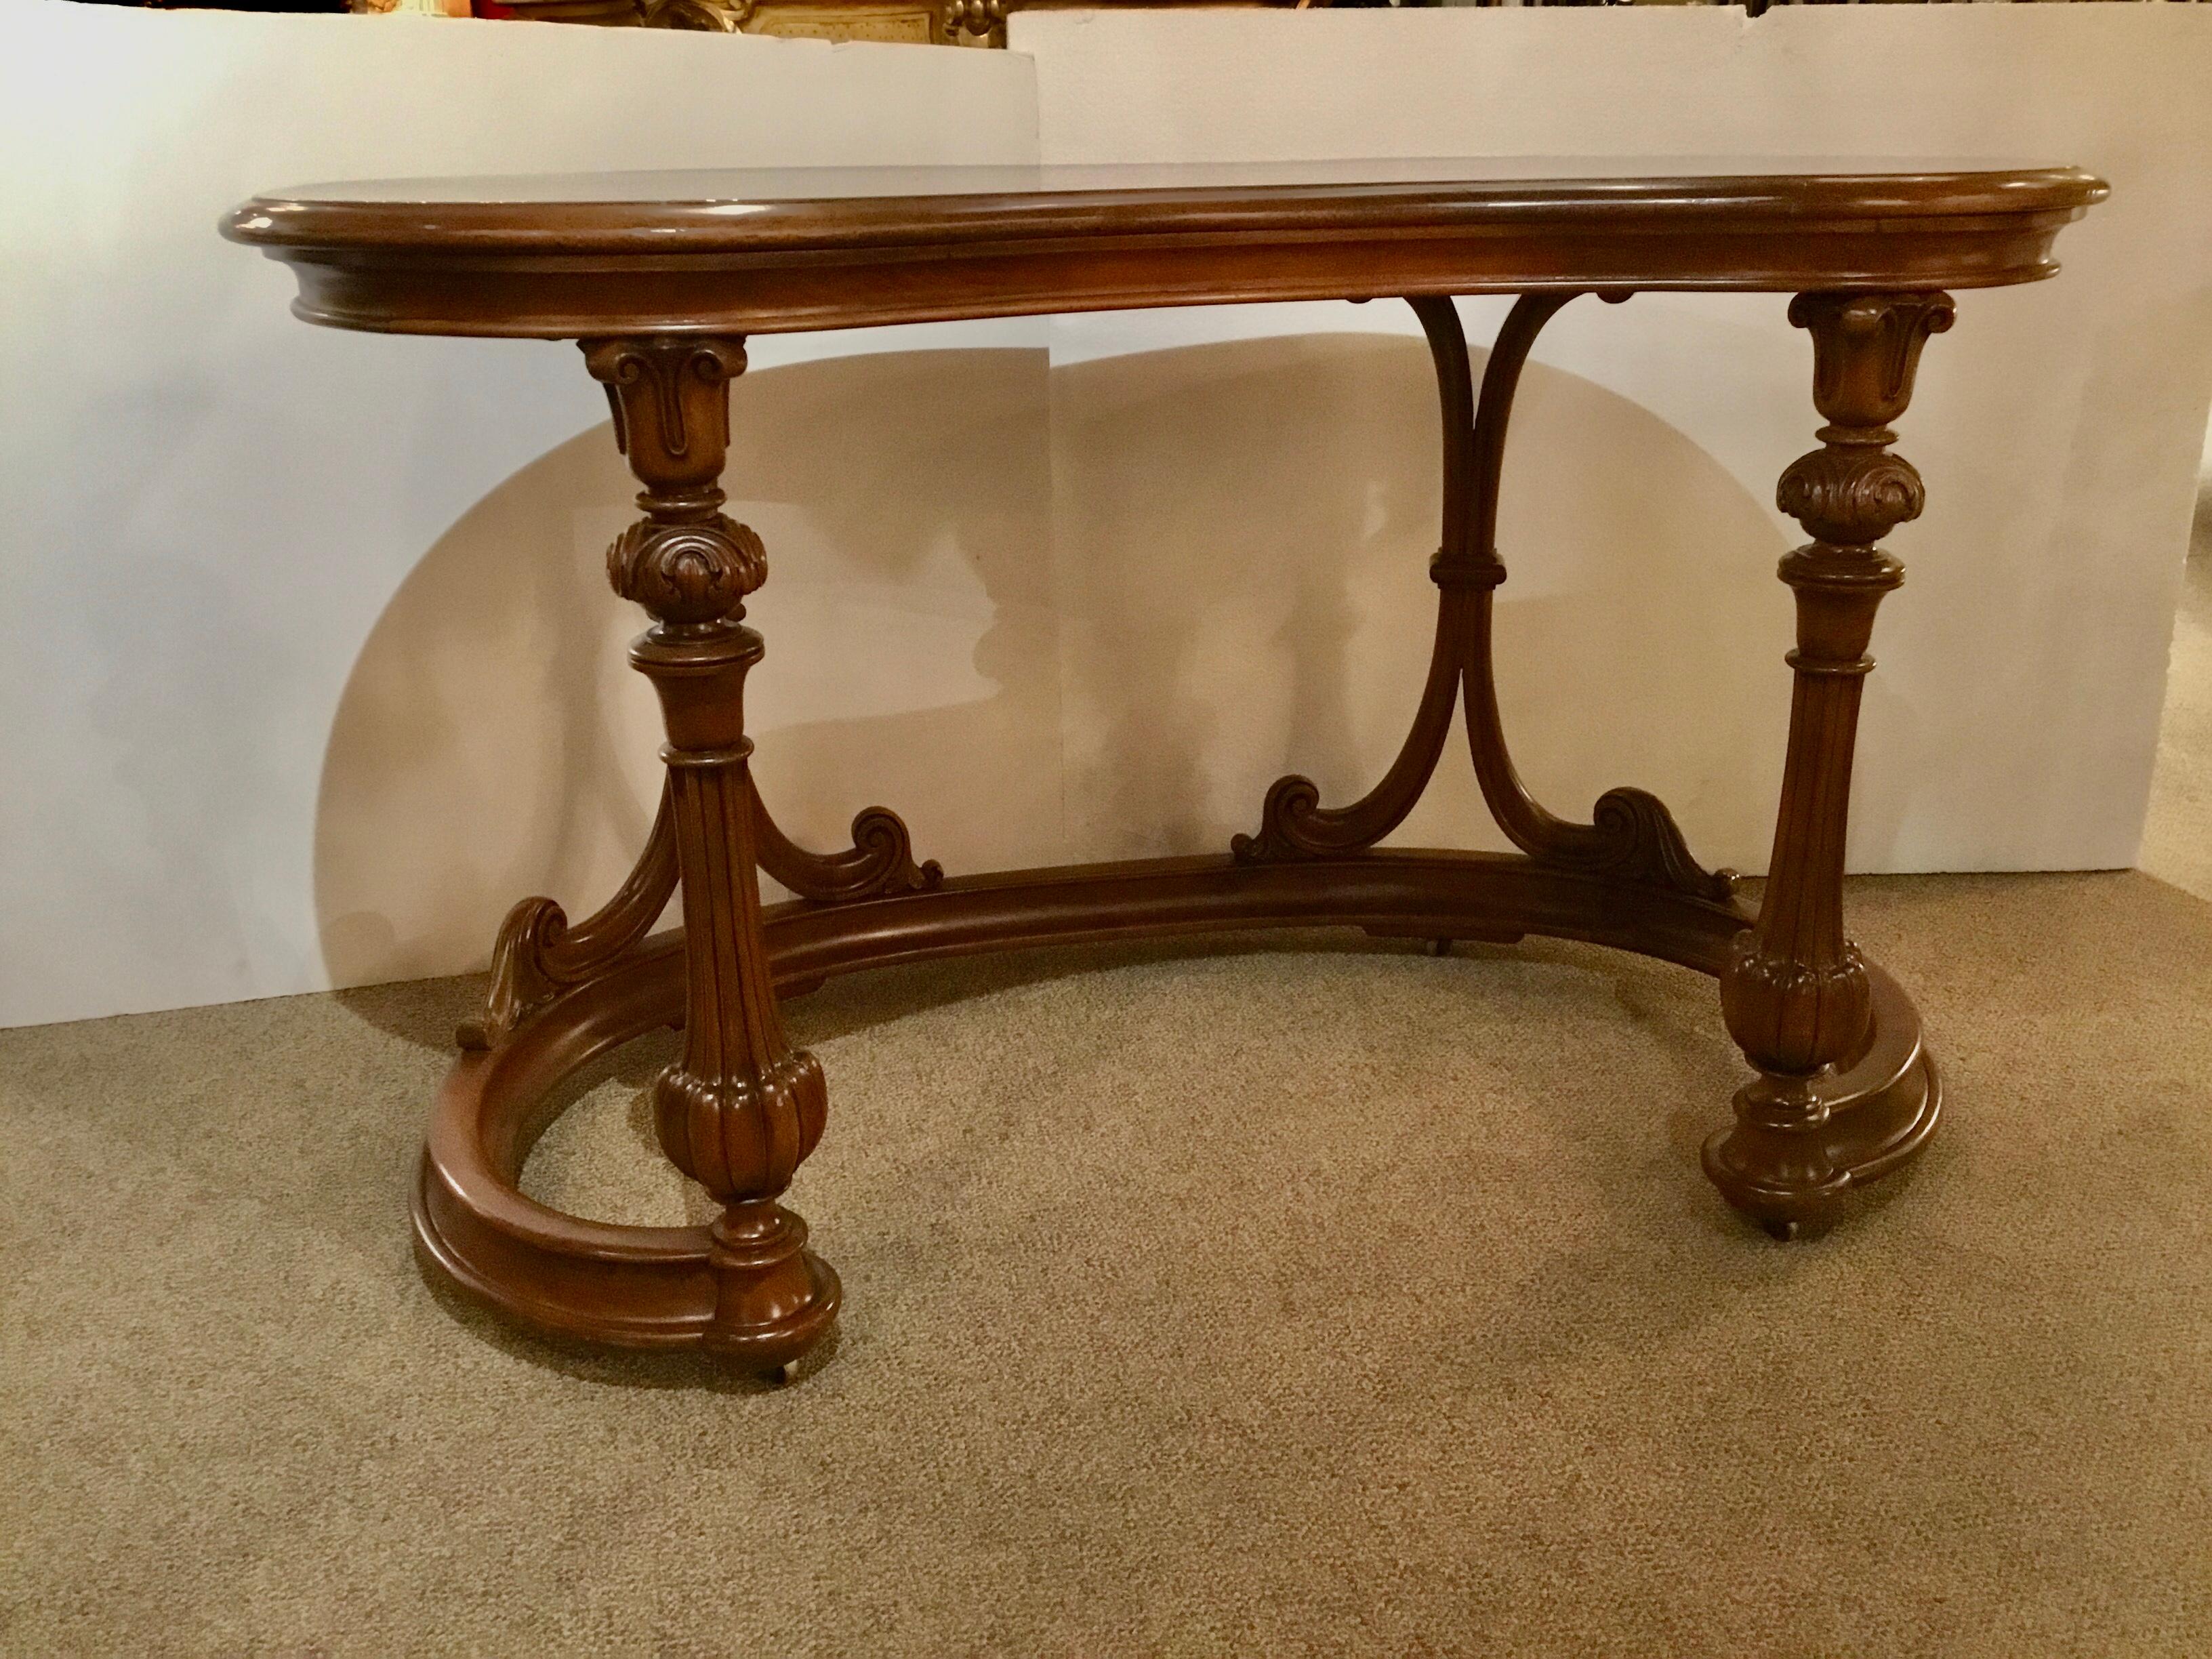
879	862
1633	838
1294	823
1638	839
539	955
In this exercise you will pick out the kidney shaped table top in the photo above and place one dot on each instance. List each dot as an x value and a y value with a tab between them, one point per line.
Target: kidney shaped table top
661	277
767	251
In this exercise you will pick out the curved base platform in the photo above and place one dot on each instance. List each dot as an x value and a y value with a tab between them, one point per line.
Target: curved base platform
1879	1111
664	1287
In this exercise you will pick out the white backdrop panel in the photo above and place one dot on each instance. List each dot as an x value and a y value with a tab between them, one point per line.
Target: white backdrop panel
2013	722
209	504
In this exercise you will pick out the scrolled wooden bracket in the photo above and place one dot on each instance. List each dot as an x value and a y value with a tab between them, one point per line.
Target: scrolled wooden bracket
880	861
1293	823
539	955
1632	837
1638	839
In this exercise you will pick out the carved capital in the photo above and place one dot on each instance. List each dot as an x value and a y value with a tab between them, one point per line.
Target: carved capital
671	397
684	561
1865	347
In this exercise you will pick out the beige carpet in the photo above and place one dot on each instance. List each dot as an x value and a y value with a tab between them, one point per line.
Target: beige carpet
1329	1300
1318	1298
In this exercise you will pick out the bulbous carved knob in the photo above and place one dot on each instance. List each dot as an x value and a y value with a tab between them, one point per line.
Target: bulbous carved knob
1850	496
1795	1014
742	1136
688	574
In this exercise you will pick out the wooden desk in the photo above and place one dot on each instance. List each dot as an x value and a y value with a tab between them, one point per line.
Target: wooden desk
660	277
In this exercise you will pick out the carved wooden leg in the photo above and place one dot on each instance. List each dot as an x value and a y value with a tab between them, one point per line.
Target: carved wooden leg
741	1109
1798	999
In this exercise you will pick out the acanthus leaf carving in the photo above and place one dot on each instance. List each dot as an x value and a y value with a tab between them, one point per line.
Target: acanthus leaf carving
1851	495
688	574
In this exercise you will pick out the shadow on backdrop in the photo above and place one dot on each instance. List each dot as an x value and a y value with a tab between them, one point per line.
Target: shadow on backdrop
1243	536
1083	613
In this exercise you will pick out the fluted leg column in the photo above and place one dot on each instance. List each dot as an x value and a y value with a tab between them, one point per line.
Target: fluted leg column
741	1109
1797	996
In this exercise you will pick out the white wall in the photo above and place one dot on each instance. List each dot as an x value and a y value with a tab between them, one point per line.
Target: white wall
209	505
306	660
2013	722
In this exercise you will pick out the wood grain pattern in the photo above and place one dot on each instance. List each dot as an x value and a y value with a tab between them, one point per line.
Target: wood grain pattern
661	284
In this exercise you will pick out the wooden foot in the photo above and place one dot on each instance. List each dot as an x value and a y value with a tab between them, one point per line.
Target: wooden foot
1856	1124
775	1298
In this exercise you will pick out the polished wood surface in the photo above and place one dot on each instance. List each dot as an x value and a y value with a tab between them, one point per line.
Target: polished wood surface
659	278
562	257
